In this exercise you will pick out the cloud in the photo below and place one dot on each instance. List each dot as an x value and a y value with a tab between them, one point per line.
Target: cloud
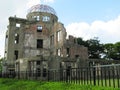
105	31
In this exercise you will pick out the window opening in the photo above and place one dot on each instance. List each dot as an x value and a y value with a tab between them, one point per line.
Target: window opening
17	25
6	36
16	38
16	54
52	39
34	17
38	18
46	18
6	40
58	52
39	28
58	36
39	43
38	63
76	56
68	52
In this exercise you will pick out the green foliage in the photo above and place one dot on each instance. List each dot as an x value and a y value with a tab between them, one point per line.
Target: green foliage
108	50
116	51
80	41
96	50
94	47
14	84
112	51
1	59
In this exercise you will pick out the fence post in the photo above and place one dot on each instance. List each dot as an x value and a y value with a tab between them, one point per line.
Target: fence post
48	75
113	72
0	75
68	70
26	74
118	77
94	75
18	74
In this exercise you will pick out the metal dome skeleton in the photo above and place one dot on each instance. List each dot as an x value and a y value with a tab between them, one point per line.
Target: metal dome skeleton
42	8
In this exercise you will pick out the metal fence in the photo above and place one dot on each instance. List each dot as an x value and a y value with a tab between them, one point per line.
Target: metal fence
106	75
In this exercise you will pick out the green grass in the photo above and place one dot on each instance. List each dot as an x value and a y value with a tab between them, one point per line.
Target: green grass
103	82
14	84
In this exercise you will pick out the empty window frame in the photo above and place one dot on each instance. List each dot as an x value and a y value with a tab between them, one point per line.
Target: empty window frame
39	43
38	18
39	28
46	18
38	63
16	38
59	52
6	40
76	56
16	54
18	25
6	36
58	36
68	52
52	39
34	17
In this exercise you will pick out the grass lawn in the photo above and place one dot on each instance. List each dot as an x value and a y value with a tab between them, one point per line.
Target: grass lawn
14	84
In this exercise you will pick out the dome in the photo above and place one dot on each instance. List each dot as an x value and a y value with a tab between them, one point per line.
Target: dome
42	8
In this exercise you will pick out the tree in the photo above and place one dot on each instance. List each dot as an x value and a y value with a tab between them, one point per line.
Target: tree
108	51
95	49
112	51
116	53
80	41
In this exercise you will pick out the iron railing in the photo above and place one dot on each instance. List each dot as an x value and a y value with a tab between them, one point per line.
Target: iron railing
97	75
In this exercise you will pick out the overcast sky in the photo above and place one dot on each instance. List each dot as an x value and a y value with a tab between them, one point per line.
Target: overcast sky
82	18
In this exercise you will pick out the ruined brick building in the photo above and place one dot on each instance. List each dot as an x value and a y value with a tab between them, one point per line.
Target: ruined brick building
39	43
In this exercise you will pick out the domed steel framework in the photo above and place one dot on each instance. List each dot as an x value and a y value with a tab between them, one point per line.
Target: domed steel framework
42	8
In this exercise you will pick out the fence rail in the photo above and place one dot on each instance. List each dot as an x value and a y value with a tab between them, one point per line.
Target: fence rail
101	76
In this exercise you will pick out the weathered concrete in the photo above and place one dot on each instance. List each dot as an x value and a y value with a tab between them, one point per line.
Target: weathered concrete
38	44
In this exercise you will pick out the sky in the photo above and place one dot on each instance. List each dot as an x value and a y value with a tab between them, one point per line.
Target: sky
81	18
